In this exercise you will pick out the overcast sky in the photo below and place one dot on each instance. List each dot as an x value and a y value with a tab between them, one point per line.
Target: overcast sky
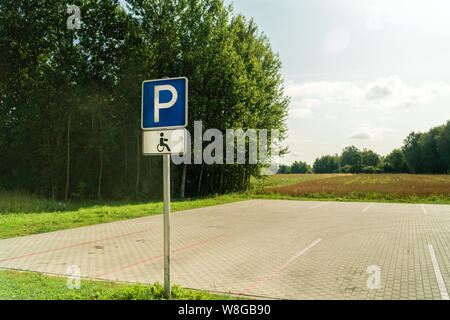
359	72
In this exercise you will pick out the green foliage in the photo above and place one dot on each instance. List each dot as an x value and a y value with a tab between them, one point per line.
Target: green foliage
413	153
395	162
431	155
370	158
327	164
284	169
300	167
296	167
351	160
69	99
443	142
352	156
427	152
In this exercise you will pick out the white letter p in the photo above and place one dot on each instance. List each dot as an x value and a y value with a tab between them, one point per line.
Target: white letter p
164	105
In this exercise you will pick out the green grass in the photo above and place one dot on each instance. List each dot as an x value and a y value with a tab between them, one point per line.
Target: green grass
34	286
13	202
21	224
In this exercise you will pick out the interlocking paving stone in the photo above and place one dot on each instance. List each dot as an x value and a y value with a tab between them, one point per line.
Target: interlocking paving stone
258	247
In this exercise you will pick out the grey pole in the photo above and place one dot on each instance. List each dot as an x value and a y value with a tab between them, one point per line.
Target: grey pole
166	178
166	172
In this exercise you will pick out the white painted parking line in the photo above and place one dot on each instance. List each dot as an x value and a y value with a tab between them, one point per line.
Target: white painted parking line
437	272
423	208
368	207
318	205
279	268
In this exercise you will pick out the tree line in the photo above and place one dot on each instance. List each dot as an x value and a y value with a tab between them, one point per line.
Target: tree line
427	152
70	99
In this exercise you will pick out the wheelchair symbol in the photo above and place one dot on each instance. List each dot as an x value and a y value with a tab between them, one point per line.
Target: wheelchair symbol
162	143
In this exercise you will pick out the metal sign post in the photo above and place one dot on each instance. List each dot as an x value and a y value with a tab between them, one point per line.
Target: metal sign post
166	173
163	117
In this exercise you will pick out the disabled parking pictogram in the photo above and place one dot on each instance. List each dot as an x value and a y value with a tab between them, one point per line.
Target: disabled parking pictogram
162	143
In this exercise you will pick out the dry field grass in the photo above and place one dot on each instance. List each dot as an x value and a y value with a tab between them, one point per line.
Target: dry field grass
407	187
279	180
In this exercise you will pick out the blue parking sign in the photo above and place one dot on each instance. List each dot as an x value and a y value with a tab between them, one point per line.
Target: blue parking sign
164	104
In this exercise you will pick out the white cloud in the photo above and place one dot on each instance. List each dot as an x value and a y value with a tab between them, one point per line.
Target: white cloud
393	93
360	135
386	94
301	113
336	40
302	109
307	103
297	154
368	132
429	16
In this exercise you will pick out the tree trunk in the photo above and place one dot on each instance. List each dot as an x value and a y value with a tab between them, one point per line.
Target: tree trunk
212	185
99	194
183	181
138	166
49	165
126	160
221	182
66	193
199	188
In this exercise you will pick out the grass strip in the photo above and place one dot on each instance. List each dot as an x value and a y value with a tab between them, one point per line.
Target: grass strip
35	286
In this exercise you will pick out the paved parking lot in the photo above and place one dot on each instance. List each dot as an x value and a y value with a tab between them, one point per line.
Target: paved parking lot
263	249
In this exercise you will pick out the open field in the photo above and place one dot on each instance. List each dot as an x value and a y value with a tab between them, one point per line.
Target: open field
363	187
279	180
34	286
25	214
